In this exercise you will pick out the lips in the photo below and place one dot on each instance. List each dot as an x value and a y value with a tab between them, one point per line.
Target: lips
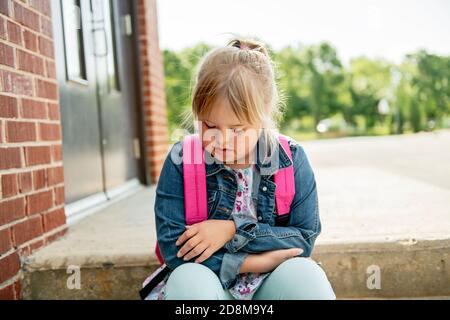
222	150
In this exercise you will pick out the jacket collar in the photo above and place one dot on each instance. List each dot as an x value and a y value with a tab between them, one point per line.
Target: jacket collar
276	160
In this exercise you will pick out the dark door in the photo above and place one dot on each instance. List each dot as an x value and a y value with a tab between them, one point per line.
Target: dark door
94	50
114	68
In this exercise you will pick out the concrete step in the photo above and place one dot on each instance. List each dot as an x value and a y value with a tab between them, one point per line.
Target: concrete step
418	272
406	269
113	250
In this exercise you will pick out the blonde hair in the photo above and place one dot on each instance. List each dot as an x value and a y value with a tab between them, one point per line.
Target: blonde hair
244	74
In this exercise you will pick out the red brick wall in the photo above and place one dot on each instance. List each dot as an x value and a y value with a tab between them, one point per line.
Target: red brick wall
31	172
31	165
152	90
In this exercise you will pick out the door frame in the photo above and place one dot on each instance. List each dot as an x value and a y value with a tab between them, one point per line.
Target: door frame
144	164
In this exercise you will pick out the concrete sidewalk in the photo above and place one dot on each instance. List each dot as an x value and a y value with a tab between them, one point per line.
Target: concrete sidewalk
373	214
383	188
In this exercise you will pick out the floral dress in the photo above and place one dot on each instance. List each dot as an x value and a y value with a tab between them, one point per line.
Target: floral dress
247	283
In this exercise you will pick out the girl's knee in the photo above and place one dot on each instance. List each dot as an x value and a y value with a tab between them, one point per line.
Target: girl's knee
193	281
302	278
300	263
302	269
190	270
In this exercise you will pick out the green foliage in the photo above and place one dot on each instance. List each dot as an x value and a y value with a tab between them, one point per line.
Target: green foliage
369	96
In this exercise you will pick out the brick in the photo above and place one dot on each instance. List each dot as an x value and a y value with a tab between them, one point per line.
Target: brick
26	17
20	131
32	109
3	32
9	185
11	210
5	241
46	89
14	32
54	219
30	63
17	290
36	245
43	6
55	236
56	153
37	155
27	230
40	179
39	202
50	68
24	180
55	175
10	158
46	27
8	107
59	196
16	83
6	55
46	47
50	132
5	8
26	250
53	111
10	266
7	293
30	40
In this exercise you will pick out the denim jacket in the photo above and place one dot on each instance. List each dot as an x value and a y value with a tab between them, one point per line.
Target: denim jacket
267	233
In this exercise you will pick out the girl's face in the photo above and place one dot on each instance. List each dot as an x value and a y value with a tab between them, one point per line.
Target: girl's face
226	137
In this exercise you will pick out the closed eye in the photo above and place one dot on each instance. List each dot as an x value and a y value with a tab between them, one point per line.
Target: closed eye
209	126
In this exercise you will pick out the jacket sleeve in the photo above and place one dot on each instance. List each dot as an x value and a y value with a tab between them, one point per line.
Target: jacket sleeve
170	222
304	222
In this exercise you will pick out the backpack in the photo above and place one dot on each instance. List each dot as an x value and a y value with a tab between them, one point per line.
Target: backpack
195	193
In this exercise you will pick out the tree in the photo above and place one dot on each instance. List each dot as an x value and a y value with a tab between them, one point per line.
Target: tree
313	78
432	84
326	80
179	68
291	73
369	82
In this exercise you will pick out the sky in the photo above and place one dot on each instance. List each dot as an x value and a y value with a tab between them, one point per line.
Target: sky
386	29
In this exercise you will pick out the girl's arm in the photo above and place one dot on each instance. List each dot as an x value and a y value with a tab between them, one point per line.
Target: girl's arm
304	221
267	261
170	222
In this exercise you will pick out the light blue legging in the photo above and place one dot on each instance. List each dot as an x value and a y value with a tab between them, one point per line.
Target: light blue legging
294	279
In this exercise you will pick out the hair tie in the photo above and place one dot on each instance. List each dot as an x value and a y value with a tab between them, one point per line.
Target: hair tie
244	46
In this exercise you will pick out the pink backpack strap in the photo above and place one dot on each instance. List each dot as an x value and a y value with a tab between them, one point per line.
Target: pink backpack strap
158	254
194	174
284	179
194	178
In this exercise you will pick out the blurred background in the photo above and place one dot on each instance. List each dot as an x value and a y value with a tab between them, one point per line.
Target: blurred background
347	68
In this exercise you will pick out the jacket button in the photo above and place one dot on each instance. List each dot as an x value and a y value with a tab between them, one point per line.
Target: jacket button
259	218
264	188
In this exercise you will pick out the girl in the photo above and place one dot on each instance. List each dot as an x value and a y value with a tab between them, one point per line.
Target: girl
243	251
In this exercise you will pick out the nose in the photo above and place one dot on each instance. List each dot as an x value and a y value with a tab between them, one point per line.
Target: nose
222	138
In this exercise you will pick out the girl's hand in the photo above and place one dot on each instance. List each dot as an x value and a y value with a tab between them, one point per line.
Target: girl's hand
205	238
268	261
